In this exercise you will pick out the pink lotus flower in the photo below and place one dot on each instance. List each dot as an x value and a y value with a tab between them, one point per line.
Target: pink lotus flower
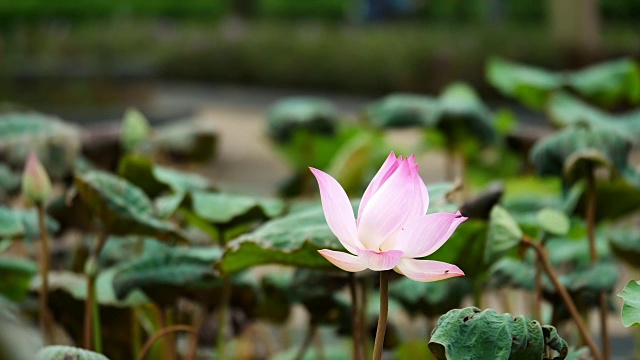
392	228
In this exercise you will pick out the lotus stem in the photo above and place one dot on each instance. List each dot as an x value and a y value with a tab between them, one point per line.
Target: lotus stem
223	319
161	333
355	318
582	328
382	319
537	304
169	340
591	223
92	326
136	334
308	339
198	320
46	327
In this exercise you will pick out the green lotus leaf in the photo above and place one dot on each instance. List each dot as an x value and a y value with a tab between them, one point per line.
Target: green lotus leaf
10	223
16	275
167	205
631	307
595	278
59	352
625	243
462	115
293	239
190	141
504	234
565	110
510	272
528	84
472	333
608	83
626	195
155	179
290	115
402	110
122	207
605	84
465	248
167	273
353	161
56	143
430	298
9	180
574	150
553	221
224	208
19	223
75	285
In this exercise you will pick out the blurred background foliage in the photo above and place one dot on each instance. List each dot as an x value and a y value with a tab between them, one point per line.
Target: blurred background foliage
361	46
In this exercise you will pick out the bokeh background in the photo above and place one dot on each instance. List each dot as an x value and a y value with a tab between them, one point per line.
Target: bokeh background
224	65
229	61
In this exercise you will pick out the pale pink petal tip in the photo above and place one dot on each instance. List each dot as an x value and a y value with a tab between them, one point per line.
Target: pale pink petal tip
344	261
337	209
427	270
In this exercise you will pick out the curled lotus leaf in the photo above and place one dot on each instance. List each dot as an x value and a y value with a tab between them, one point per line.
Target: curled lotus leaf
122	207
472	333
574	150
59	352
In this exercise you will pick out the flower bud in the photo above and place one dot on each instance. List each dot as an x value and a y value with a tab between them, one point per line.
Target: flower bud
36	185
135	130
